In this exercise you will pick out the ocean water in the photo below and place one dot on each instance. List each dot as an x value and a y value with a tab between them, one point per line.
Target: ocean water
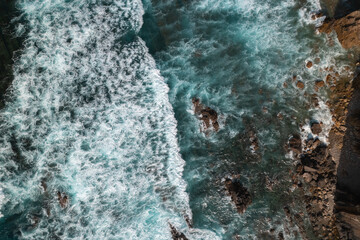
100	110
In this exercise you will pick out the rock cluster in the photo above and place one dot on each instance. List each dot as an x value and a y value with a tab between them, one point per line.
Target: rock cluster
318	171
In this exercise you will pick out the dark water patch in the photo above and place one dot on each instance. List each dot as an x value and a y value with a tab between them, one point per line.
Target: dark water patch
150	32
340	8
9	43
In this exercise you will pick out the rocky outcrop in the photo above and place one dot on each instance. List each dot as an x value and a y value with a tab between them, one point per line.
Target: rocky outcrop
347	29
208	116
239	194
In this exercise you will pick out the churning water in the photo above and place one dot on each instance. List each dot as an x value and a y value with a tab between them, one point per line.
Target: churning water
93	115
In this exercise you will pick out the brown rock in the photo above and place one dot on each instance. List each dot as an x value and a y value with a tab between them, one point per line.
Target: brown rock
239	194
327	25
346	28
309	64
300	84
316	128
307	177
319	83
329	79
309	169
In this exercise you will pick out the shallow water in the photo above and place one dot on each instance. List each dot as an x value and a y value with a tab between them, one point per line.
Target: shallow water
100	109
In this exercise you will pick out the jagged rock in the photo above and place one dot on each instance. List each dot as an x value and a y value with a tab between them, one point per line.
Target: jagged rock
239	194
347	29
176	235
208	116
63	199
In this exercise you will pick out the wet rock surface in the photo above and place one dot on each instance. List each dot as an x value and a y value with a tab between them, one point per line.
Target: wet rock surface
316	128
347	29
239	194
208	116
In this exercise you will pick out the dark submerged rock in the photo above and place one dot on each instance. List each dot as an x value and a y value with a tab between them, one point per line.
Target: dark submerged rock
239	194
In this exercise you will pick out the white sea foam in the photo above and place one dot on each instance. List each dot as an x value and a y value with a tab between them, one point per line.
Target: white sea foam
94	112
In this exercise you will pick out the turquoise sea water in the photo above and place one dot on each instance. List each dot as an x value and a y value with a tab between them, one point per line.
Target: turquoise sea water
100	110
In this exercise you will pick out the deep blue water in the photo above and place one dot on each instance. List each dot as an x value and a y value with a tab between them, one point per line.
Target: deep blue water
100	110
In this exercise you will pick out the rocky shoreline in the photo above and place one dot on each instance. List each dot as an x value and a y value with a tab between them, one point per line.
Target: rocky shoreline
331	172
